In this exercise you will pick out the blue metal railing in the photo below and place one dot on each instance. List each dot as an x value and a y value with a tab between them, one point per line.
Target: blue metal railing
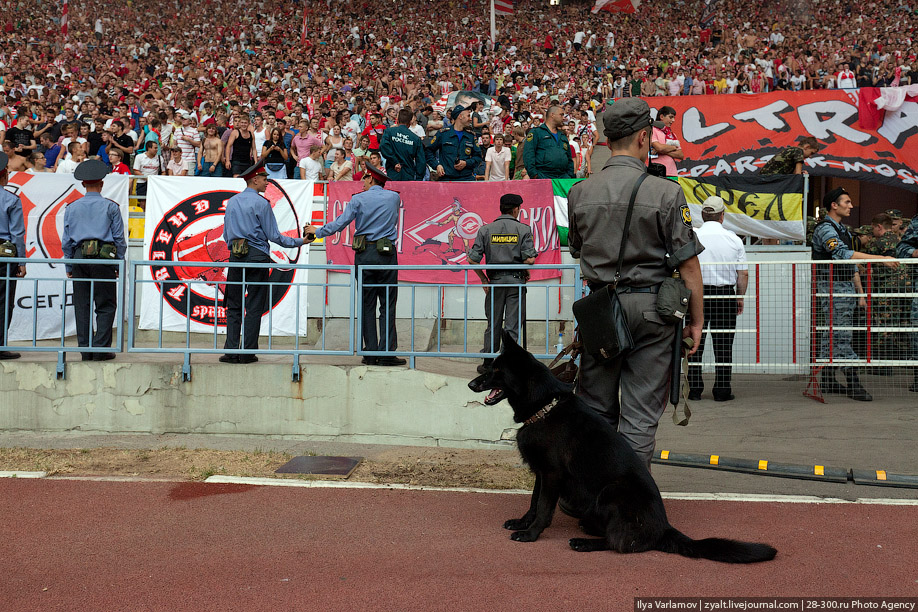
574	287
58	345
186	346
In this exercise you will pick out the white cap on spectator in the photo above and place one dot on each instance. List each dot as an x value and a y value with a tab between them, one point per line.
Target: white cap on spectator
714	204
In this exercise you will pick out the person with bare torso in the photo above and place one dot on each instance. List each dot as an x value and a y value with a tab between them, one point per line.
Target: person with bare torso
211	162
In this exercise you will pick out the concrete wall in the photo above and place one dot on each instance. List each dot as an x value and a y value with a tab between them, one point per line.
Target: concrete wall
345	403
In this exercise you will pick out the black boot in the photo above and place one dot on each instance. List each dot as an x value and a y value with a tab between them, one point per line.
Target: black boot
855	390
914	386
829	384
485	367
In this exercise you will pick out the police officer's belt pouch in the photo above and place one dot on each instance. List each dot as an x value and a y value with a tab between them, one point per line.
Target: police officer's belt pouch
360	243
673	300
108	251
8	249
384	246
239	247
603	327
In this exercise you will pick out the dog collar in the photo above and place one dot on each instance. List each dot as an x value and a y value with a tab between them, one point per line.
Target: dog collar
538	416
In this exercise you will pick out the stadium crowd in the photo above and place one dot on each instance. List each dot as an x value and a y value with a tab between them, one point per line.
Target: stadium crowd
214	85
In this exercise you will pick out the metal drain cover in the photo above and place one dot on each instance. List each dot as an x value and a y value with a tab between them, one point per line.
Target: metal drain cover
320	465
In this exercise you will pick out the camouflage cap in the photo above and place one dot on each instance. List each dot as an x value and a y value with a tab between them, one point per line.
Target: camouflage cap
862	230
895	213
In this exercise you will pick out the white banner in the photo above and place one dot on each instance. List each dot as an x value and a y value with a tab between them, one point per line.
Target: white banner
184	222
44	198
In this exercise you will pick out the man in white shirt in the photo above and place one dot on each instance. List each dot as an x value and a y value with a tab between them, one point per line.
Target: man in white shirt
147	164
497	161
725	275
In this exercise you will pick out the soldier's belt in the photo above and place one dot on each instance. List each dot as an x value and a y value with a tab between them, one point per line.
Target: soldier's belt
626	288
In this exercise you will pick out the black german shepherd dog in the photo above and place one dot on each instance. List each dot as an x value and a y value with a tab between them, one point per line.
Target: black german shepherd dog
576	455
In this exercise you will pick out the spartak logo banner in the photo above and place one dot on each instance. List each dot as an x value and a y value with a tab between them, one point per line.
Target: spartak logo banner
438	223
44	198
736	134
184	223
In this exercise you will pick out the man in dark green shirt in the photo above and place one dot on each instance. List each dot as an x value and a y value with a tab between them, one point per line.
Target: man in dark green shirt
547	153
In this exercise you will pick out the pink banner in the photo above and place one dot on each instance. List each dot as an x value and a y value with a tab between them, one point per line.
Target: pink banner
438	223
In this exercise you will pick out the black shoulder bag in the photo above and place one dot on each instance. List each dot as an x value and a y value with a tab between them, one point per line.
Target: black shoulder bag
600	318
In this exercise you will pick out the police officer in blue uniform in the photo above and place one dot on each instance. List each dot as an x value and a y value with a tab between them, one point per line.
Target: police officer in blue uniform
908	248
248	226
454	151
403	151
375	213
506	240
832	242
547	152
93	229
12	244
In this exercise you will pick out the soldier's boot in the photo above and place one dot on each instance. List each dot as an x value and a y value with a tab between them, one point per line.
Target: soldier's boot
855	390
914	386
829	384
485	367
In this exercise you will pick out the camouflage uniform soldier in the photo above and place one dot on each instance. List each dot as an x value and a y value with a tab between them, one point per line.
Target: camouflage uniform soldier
908	247
885	311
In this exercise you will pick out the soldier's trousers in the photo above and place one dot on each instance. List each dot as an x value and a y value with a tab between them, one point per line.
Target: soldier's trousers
505	311
843	303
640	379
384	294
252	297
95	289
914	334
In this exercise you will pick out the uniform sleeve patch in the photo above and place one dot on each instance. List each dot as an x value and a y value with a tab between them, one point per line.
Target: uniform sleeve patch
504	239
831	243
468	150
686	215
529	137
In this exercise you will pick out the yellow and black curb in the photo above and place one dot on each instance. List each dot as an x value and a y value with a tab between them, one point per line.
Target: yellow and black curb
764	467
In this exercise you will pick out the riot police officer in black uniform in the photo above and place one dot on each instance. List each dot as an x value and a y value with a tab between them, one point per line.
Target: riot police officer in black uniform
506	240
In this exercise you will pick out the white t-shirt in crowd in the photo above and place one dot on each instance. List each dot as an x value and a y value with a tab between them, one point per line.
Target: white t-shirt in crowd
66	166
148	166
310	168
260	137
723	247
497	163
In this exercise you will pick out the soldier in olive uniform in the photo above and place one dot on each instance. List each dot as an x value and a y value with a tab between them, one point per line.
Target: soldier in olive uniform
506	240
832	242
908	248
403	151
454	152
660	240
547	153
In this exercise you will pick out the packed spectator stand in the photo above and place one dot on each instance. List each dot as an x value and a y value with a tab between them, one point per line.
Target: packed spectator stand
342	62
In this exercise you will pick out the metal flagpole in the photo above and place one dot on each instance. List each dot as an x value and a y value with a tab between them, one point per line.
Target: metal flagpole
493	27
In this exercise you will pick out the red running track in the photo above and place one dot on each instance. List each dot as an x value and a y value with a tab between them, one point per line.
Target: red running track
79	545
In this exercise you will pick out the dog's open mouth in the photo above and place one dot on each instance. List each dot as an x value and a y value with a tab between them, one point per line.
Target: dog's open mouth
494	397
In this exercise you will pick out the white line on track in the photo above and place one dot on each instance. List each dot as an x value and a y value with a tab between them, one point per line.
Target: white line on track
15	474
735	497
